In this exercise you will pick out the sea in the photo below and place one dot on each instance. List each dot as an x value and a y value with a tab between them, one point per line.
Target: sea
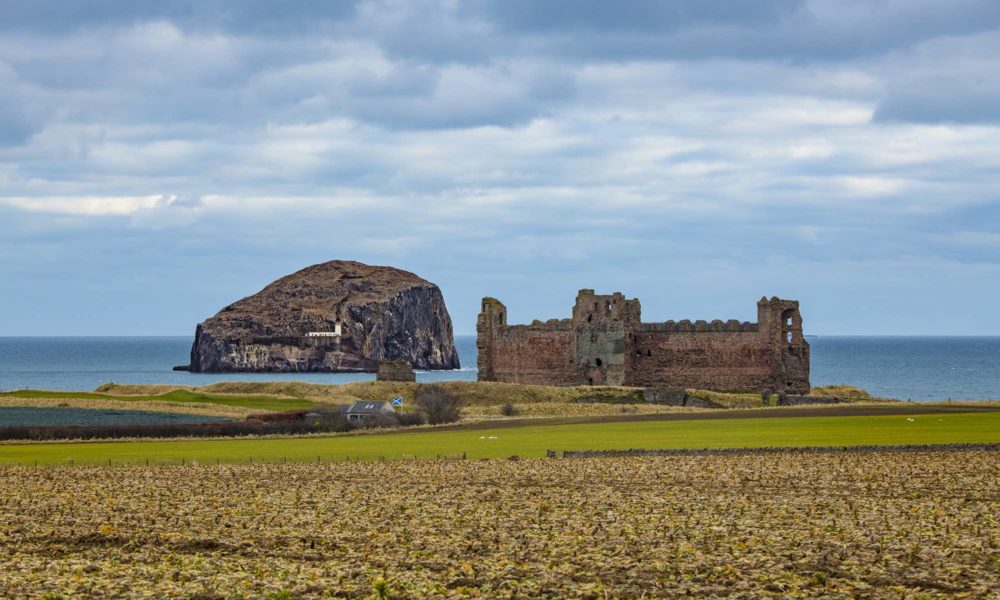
907	368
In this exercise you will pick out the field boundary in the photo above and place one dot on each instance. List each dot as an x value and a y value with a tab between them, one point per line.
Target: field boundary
904	409
992	447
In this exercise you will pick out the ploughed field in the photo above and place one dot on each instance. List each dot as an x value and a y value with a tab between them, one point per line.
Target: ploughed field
882	525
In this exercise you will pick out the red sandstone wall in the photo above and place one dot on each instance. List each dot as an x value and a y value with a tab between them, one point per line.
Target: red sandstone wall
737	361
536	356
768	355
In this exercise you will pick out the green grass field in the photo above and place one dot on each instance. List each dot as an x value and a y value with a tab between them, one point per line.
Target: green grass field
534	440
262	403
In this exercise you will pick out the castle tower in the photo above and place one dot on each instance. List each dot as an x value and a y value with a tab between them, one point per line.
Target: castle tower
601	325
780	325
492	320
605	308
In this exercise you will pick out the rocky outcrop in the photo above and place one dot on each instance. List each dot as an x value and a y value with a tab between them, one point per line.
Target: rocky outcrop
339	316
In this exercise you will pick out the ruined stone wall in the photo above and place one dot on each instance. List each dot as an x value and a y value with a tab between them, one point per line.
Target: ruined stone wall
540	353
713	360
535	355
395	370
605	343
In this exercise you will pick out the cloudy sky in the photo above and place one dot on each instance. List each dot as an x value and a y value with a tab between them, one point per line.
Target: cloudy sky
159	160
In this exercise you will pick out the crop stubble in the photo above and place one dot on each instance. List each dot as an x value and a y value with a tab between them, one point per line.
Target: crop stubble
866	525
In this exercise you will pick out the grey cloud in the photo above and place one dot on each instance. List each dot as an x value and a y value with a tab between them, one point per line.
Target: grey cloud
945	81
634	16
251	16
21	114
480	30
582	30
942	100
15	125
475	97
810	30
154	71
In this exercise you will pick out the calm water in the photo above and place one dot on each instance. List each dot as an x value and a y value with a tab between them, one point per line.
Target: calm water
918	368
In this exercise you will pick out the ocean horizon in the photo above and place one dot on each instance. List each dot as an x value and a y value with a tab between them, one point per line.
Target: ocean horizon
919	368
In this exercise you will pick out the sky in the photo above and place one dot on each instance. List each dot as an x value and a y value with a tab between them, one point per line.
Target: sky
159	160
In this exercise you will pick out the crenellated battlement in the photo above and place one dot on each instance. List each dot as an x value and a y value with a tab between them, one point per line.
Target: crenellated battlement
687	326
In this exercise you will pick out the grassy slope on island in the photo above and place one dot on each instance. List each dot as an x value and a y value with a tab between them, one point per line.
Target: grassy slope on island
533	441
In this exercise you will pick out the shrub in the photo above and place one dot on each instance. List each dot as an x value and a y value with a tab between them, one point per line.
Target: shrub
438	404
380	589
509	410
411	419
333	422
379	422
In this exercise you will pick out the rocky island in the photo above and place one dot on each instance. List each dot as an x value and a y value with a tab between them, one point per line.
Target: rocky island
338	316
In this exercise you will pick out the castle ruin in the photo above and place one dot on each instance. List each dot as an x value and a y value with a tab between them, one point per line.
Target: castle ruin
606	343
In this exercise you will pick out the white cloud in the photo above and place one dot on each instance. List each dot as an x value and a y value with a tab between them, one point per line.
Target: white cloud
871	185
86	206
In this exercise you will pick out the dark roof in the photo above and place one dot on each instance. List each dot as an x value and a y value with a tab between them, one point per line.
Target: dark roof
369	407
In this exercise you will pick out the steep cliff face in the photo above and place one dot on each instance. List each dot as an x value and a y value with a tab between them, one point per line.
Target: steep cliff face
338	316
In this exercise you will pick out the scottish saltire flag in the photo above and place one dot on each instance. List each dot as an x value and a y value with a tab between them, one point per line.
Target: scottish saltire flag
397	401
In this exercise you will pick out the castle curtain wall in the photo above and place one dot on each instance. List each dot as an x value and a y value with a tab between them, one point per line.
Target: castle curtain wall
542	356
704	359
605	343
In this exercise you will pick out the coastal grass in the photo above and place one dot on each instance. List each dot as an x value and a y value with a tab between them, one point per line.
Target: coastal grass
754	400
532	440
728	399
263	403
479	393
473	393
841	391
